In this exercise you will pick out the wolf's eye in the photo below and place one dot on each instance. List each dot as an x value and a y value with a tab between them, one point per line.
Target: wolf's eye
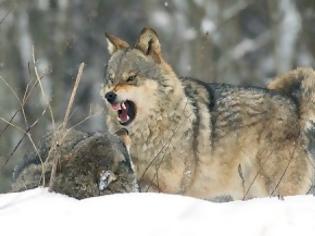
131	78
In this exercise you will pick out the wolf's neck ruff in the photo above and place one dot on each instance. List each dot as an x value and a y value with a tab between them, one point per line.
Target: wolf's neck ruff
160	135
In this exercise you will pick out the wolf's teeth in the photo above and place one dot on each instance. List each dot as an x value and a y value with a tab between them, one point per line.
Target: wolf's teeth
128	117
123	105
116	106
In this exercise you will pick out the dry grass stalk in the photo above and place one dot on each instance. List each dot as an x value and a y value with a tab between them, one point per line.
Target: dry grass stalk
59	137
74	91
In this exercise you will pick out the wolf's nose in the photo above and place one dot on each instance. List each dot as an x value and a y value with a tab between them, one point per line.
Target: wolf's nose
110	96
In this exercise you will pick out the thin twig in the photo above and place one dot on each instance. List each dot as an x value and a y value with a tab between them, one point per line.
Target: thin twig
11	89
17	98
8	124
39	156
38	77
13	150
26	96
26	134
285	171
12	124
85	119
255	177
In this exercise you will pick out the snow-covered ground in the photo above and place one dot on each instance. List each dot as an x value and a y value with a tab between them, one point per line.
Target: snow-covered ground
38	212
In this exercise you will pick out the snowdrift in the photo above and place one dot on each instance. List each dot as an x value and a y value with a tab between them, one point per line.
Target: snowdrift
38	212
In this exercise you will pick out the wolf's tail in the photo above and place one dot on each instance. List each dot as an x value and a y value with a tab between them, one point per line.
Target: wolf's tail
299	84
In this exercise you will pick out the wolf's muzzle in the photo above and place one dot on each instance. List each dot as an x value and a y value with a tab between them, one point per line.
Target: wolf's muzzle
111	97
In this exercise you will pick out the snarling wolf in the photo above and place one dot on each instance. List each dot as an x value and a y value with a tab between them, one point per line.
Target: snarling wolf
207	140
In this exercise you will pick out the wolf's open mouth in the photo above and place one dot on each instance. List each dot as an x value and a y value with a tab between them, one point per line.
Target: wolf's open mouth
126	111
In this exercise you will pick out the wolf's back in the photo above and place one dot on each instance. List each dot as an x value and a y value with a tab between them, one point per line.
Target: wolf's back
299	84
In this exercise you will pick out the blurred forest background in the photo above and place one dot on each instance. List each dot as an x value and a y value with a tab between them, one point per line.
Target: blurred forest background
231	41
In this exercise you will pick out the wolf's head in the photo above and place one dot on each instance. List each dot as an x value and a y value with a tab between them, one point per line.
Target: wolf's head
137	78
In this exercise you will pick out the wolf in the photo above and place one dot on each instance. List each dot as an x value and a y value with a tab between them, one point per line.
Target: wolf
200	139
90	165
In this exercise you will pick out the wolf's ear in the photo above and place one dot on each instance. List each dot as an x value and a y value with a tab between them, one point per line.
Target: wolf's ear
114	43
148	42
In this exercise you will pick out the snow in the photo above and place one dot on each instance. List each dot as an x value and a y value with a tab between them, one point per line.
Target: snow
207	26
189	34
161	18
38	212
